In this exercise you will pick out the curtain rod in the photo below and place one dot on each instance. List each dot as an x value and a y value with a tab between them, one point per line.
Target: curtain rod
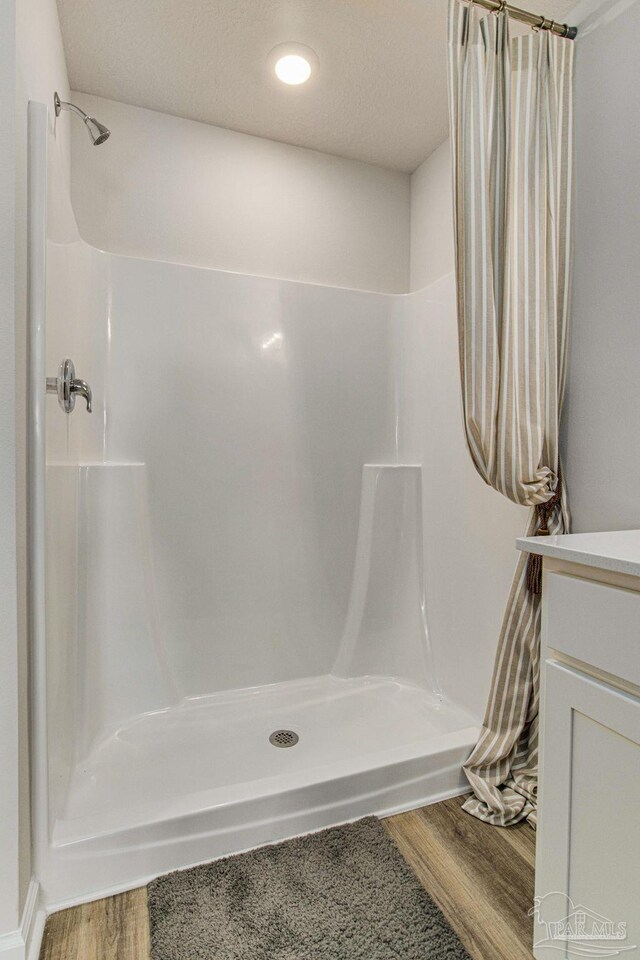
532	19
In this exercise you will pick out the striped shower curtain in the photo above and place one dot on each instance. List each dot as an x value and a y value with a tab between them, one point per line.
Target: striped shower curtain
511	116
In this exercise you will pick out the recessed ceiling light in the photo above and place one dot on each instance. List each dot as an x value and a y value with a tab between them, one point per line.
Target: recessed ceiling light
293	69
293	63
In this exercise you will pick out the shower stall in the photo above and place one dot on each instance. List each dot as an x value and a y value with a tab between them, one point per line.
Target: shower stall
266	581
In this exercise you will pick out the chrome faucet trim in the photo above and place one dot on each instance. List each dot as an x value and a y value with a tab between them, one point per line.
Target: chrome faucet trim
67	387
82	389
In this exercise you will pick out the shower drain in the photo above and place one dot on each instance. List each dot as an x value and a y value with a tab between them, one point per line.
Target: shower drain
283	738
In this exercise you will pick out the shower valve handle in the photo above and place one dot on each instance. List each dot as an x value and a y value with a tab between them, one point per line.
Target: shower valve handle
67	387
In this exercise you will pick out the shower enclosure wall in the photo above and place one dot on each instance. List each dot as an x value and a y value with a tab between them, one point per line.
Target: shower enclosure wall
268	522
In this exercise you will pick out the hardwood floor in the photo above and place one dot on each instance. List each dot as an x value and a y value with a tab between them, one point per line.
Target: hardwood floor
481	877
116	928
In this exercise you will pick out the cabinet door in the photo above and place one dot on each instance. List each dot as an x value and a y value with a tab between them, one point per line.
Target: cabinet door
588	843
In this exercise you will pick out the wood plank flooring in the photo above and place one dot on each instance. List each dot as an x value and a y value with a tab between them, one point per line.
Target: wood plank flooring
116	928
480	876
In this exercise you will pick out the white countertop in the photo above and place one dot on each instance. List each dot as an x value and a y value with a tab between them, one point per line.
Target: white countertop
619	550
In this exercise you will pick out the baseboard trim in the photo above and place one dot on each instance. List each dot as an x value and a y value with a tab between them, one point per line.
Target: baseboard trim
24	943
32	946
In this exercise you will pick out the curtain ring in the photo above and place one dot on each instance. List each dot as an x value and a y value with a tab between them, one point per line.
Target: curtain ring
501	8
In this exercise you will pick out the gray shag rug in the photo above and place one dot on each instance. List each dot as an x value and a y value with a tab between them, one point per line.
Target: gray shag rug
343	894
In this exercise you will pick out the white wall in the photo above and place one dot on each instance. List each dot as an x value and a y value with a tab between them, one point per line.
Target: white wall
602	445
9	674
431	219
165	188
37	69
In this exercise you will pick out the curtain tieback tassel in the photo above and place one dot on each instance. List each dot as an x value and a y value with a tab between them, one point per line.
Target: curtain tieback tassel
534	562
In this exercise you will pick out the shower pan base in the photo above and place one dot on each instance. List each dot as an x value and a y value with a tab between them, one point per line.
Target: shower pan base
201	780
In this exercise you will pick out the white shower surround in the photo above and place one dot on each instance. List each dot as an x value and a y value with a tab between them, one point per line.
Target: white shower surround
268	521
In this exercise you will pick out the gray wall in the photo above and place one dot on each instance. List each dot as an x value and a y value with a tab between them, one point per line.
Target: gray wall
602	415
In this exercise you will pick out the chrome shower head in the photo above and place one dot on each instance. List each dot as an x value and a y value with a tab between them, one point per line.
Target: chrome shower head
96	130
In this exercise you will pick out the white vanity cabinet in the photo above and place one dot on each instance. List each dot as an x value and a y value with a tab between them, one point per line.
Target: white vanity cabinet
588	842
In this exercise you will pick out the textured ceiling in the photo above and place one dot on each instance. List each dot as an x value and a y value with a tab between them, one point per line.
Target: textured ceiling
379	94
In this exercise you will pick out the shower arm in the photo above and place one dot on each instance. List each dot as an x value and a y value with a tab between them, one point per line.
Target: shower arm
65	105
96	130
